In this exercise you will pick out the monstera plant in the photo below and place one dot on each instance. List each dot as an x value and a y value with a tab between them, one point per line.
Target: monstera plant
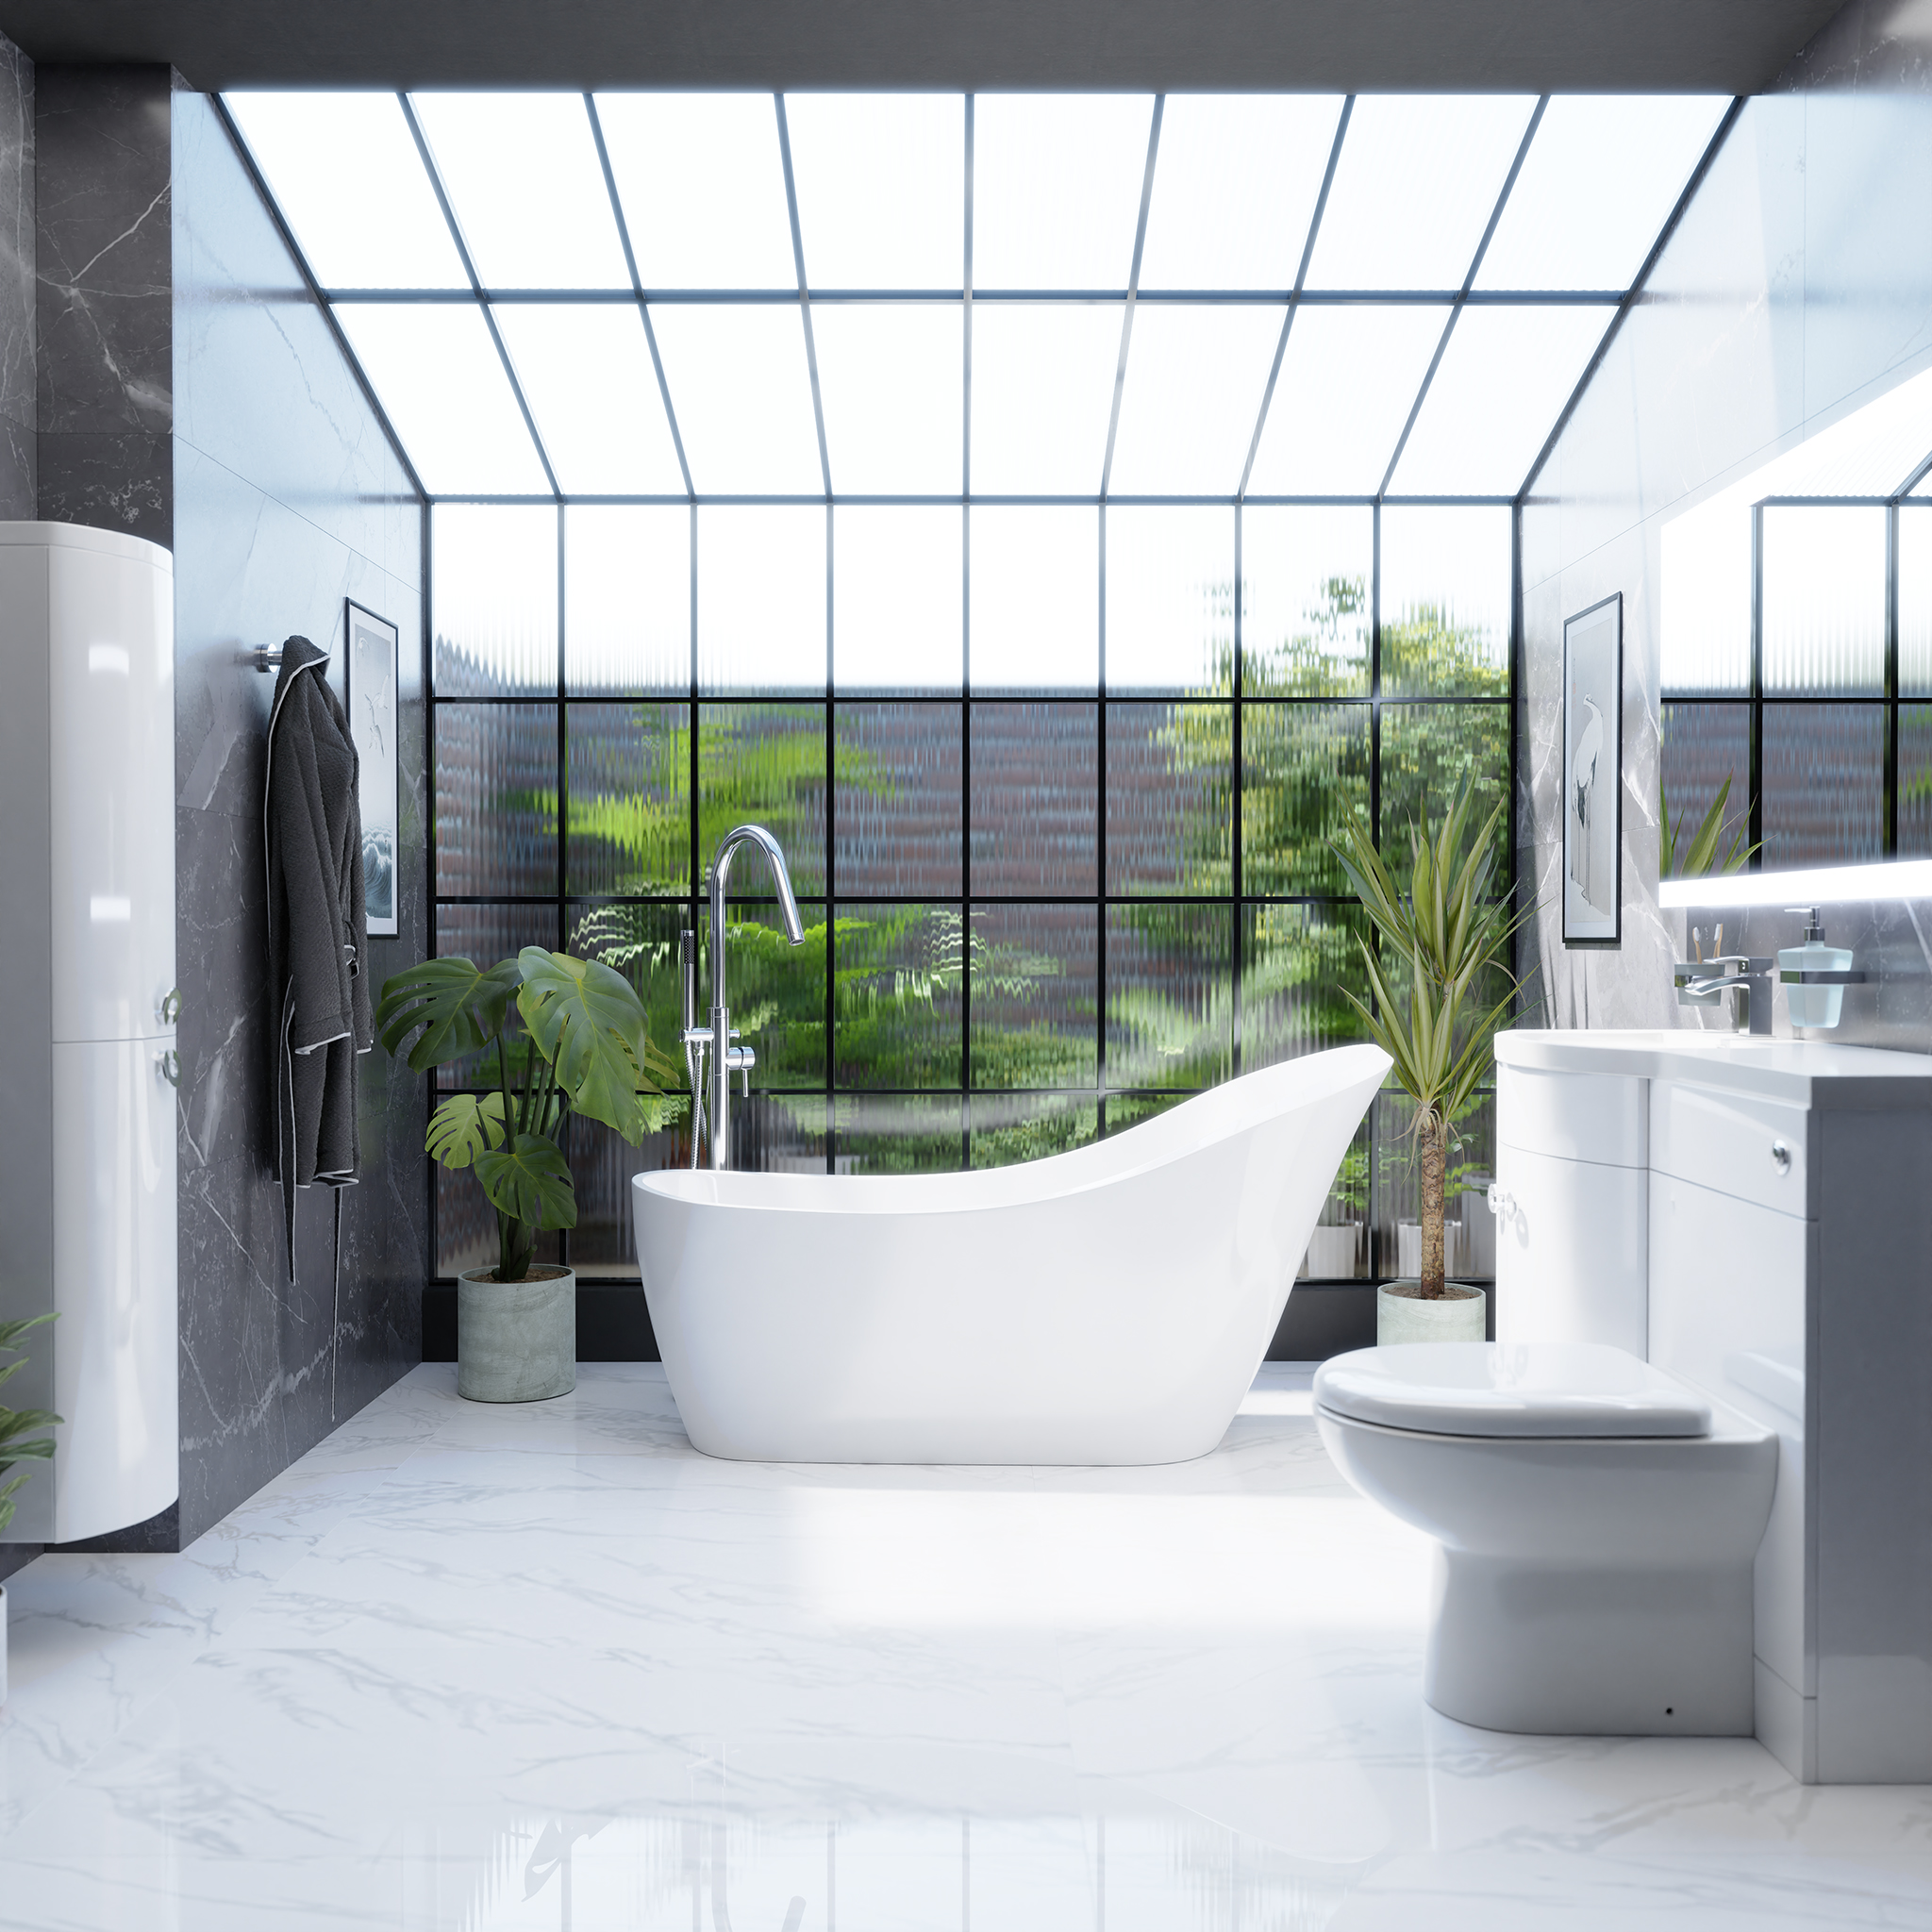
18	1441
551	1033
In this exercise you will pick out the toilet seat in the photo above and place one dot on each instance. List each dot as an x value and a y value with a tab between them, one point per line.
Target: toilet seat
1488	1389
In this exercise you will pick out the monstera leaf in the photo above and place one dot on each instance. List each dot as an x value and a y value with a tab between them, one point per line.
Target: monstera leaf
459	1008
529	1182
464	1127
590	1026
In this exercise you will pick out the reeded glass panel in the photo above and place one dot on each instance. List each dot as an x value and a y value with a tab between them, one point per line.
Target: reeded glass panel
626	571
495	800
1499	389
1170	995
1469	1226
1234	188
524	181
483	934
1823	784
1170	798
1349	377
1026	1127
348	180
1914	602
494	599
890	1133
1042	396
1296	964
1701	746
1915	781
881	188
742	392
1128	1110
466	1235
703	188
1193	396
1305	772
897	821
765	764
1415	188
1057	183
1305	576
897	596
603	1245
1338	1249
899	976
1170	600
1427	750
1446	595
778	992
890	381
1824	601
1036	997
586	375
640	942
1036	805
1596	188
1036	599
761	598
1706	599
629	791
439	377
779	1133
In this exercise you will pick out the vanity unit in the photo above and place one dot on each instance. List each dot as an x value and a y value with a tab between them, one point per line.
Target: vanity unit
1754	1217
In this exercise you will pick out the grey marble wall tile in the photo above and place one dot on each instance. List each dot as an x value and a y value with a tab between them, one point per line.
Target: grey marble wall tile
104	310
18	407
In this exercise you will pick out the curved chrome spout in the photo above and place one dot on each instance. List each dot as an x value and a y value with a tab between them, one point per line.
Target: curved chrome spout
727	1059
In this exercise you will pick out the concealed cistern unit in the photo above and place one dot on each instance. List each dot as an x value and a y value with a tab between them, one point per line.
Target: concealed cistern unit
1815	976
716	1039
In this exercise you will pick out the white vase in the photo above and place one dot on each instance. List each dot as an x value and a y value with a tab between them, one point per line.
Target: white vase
1461	1315
1334	1253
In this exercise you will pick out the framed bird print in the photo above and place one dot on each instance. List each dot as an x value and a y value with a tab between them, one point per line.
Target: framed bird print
1593	775
371	705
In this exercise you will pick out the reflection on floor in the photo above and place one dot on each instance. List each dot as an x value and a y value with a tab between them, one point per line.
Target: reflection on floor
473	1668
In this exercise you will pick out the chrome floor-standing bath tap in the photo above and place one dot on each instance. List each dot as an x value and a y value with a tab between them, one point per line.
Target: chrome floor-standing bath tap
725	1058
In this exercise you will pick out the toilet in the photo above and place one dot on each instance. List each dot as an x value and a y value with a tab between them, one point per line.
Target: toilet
1595	1524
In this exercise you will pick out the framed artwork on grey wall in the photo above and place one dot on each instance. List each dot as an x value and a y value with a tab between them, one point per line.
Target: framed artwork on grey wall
1593	775
371	691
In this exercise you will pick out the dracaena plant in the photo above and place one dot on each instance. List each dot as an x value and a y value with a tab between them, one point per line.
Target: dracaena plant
1707	851
19	1441
1441	941
555	1035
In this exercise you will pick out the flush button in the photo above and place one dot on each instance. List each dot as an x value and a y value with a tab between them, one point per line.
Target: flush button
1780	1157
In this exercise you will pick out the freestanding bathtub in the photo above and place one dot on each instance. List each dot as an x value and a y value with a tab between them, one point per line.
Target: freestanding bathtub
1107	1305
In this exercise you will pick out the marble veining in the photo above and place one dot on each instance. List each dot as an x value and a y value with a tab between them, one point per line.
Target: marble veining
704	1691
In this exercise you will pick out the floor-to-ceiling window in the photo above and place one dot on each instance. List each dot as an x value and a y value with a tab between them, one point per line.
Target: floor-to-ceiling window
1048	515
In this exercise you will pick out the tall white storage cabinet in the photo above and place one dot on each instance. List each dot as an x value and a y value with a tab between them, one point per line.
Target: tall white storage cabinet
86	1051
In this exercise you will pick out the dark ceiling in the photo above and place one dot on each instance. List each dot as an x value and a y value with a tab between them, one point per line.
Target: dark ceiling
1730	46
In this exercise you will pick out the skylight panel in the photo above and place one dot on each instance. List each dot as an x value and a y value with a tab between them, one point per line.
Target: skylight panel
521	174
703	188
1348	380
1234	188
890	381
1415	188
442	382
1036	599
346	174
1057	182
1042	393
742	392
1596	188
1196	379
586	375
881	185
896	597
1501	384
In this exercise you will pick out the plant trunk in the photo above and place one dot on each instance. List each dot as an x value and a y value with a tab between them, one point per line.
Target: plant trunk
1431	1131
516	1242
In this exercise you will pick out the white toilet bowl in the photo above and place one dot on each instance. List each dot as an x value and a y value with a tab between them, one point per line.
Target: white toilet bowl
1595	1524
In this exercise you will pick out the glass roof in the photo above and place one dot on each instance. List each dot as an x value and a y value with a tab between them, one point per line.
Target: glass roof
1091	296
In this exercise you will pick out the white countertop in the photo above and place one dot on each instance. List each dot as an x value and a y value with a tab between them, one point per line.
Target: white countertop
1807	1073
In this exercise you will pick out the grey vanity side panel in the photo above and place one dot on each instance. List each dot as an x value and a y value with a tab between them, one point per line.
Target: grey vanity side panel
1869	1403
27	971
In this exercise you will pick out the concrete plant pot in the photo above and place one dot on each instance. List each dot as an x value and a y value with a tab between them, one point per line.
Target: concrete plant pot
1401	1314
516	1340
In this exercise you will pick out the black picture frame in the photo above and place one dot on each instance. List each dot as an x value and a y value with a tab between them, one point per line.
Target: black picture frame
1593	775
369	686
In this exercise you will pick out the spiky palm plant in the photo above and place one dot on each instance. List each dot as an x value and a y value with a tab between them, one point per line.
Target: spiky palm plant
18	1441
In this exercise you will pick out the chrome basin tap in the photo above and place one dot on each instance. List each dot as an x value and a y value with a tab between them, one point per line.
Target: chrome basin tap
716	1039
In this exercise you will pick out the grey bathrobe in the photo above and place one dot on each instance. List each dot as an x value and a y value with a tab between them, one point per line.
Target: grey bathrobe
318	940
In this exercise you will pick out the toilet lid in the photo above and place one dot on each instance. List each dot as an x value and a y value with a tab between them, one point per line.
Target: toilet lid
1517	1389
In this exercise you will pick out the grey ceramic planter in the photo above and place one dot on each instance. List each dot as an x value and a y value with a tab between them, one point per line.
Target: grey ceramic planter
516	1340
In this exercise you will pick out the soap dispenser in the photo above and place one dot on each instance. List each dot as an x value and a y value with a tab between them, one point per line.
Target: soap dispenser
1813	1005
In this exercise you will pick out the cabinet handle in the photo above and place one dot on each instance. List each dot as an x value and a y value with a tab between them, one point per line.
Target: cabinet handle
168	1066
1780	1157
